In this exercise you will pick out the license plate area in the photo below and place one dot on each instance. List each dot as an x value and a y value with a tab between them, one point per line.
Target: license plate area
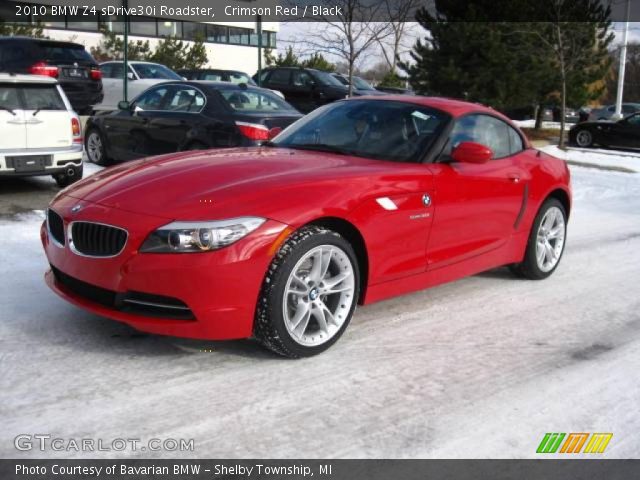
29	163
75	72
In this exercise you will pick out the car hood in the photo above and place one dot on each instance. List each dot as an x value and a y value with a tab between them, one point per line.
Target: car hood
206	184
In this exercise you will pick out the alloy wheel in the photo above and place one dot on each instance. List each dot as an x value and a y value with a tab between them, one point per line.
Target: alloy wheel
550	239
319	295
583	138
94	147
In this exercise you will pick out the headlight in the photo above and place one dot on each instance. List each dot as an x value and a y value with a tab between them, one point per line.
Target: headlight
179	237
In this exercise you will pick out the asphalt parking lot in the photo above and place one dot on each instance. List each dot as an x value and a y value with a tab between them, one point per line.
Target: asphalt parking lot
479	368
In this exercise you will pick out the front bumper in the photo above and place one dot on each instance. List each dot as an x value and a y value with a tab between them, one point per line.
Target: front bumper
61	160
219	288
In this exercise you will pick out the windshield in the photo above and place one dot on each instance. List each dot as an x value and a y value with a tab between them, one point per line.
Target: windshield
153	70
325	78
251	101
239	77
341	79
65	53
361	84
385	130
31	97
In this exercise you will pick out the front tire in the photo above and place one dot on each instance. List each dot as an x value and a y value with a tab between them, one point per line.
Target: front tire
546	242
309	293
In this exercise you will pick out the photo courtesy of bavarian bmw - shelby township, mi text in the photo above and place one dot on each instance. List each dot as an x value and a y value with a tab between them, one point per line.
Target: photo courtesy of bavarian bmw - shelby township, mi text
341	239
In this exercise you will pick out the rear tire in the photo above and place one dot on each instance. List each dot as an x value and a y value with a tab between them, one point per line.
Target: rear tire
95	148
309	293
546	242
584	138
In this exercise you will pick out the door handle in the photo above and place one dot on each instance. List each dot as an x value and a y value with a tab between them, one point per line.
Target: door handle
17	122
515	178
33	122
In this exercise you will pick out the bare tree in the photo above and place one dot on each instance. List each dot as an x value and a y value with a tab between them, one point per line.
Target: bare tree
349	34
575	39
400	13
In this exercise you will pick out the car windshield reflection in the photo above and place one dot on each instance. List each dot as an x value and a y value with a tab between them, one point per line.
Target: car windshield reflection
385	130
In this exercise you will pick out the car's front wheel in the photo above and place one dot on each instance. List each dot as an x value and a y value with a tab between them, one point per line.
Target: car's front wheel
546	242
309	293
584	138
94	146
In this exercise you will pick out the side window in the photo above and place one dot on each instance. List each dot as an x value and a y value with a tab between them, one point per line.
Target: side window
300	78
515	142
185	99
117	70
634	120
152	99
487	130
263	75
279	77
106	70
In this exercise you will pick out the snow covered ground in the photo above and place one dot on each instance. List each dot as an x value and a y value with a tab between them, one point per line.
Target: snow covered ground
599	157
482	367
545	125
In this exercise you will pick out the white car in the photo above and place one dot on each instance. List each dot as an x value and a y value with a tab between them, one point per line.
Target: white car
141	75
40	134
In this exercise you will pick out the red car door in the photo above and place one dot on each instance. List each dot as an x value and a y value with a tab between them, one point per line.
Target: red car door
476	205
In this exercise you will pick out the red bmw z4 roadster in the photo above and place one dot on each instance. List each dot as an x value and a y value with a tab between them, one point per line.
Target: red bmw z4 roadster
361	200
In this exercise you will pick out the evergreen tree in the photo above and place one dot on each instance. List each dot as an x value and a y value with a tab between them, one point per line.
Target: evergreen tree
33	30
289	59
111	47
175	54
318	62
512	63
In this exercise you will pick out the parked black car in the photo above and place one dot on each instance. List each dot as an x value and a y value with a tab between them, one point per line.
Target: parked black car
77	72
187	115
623	133
360	85
217	75
304	88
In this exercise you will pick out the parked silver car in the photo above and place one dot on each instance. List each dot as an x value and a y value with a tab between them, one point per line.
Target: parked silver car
141	75
605	113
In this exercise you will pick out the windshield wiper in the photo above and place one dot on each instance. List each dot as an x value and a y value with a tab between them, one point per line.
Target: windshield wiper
2	107
36	112
320	147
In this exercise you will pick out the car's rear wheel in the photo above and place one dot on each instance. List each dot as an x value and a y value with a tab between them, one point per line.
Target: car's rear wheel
94	146
584	138
546	242
309	293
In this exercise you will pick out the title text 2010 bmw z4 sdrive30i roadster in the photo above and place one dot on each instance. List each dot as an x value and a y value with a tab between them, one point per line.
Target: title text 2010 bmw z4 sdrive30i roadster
361	200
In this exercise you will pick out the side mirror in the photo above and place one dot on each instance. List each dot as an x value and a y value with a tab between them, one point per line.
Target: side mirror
130	76
274	132
124	105
471	152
